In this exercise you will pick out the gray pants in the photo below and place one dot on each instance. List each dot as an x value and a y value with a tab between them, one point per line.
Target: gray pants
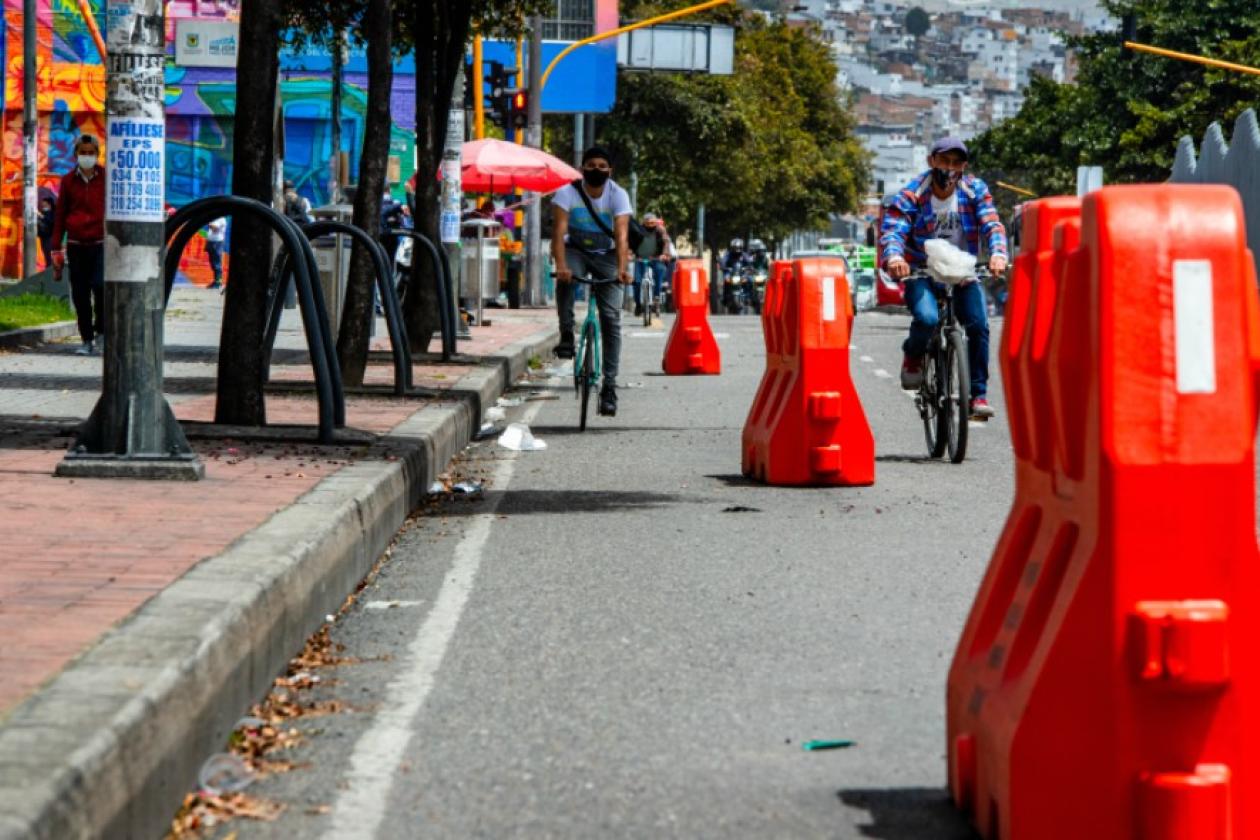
609	297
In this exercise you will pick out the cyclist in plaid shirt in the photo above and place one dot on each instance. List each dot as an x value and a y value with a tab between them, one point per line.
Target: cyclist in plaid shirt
944	203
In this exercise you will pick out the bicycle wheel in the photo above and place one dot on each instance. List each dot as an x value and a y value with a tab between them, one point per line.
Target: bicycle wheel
587	376
930	403
645	297
957	404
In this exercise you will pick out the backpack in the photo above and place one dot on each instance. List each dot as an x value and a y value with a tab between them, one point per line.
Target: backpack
293	207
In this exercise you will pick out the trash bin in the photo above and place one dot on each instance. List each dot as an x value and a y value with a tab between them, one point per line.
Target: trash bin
480	248
332	255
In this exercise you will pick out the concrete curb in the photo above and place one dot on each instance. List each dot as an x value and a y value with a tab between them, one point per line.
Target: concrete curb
109	746
30	336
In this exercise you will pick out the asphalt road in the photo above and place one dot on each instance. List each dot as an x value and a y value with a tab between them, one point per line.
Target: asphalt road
598	648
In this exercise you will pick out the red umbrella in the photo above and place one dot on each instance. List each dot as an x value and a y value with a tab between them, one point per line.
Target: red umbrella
496	166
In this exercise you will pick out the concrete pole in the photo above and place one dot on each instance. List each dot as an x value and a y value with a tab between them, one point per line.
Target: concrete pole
579	140
453	194
132	432
30	144
533	137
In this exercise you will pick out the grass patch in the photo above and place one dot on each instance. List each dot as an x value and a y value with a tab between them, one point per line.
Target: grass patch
535	362
32	311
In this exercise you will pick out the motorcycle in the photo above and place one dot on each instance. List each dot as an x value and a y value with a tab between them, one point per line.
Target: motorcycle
754	282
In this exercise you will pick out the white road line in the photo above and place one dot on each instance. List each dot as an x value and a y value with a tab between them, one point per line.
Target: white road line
374	764
866	358
882	374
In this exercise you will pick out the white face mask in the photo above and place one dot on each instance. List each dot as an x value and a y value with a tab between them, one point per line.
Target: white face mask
86	162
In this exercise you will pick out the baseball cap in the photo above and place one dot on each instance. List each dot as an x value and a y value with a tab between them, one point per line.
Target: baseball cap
949	144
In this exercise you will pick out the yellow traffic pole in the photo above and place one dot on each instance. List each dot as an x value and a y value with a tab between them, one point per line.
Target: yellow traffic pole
1014	188
1197	59
612	33
518	136
479	91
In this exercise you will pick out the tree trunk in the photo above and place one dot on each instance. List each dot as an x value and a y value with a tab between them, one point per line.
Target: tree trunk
441	36
354	338
241	363
338	80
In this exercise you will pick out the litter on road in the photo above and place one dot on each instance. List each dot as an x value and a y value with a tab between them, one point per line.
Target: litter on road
813	746
519	438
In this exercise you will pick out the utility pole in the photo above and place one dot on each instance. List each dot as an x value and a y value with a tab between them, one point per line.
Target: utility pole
30	145
132	432
452	194
533	213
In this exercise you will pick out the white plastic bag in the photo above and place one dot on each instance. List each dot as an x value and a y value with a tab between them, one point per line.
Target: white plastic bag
949	264
519	438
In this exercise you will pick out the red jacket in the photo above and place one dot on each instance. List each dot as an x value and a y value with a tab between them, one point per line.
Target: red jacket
80	208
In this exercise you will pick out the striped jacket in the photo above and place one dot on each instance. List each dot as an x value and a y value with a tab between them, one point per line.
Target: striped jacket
909	221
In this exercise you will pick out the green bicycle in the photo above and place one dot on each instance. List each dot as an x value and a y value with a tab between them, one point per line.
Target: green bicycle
587	363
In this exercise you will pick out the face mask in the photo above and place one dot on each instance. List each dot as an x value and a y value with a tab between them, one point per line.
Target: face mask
595	177
945	178
86	162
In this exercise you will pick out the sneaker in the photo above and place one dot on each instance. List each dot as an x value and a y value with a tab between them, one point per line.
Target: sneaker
85	349
98	344
564	350
911	373
216	284
608	401
638	310
980	409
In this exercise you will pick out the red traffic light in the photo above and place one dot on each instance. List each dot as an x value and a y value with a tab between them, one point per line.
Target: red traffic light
520	100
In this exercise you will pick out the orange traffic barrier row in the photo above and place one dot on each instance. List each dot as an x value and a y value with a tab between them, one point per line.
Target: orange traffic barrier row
691	347
806	425
1103	680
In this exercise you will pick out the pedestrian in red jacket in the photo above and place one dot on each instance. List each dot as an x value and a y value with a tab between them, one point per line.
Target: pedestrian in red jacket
80	219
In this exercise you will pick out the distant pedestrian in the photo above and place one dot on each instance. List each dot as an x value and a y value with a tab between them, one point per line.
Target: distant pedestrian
296	207
47	220
80	220
216	234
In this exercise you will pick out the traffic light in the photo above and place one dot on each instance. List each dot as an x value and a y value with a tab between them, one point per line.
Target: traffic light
519	108
498	103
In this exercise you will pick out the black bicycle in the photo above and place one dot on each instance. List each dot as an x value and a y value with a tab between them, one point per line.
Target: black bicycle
944	395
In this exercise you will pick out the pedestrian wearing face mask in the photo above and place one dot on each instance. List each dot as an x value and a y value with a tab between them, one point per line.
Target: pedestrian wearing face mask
944	203
80	221
591	238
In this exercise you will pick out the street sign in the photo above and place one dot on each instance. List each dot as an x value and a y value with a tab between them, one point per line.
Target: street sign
206	43
694	48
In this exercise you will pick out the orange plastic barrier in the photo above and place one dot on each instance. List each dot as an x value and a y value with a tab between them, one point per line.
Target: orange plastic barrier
806	425
691	347
1103	681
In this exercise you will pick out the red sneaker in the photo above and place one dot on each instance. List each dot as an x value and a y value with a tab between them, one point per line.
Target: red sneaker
911	373
980	409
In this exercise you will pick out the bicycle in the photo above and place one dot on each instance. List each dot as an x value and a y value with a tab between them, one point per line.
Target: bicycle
646	288
944	396
587	363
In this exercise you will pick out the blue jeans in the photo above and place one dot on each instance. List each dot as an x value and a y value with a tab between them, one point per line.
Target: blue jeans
660	270
972	313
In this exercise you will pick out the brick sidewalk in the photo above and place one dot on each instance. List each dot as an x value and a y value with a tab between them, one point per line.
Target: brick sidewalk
80	555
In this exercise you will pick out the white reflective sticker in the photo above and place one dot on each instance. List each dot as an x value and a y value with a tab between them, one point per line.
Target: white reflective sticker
829	298
695	281
1195	327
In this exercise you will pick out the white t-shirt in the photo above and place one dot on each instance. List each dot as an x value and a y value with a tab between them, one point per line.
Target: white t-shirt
613	202
216	230
948	222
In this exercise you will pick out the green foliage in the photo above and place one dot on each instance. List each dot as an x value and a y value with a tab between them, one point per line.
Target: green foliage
918	22
767	150
31	310
1127	110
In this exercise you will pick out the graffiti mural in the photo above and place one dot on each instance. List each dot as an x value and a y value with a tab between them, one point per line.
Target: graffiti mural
200	104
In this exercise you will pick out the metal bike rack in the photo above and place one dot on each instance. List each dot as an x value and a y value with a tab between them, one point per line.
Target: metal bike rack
442	268
182	226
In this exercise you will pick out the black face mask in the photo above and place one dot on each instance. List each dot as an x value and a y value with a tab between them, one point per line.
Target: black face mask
945	178
595	177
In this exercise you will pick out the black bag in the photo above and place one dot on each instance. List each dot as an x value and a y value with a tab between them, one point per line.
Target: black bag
635	235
